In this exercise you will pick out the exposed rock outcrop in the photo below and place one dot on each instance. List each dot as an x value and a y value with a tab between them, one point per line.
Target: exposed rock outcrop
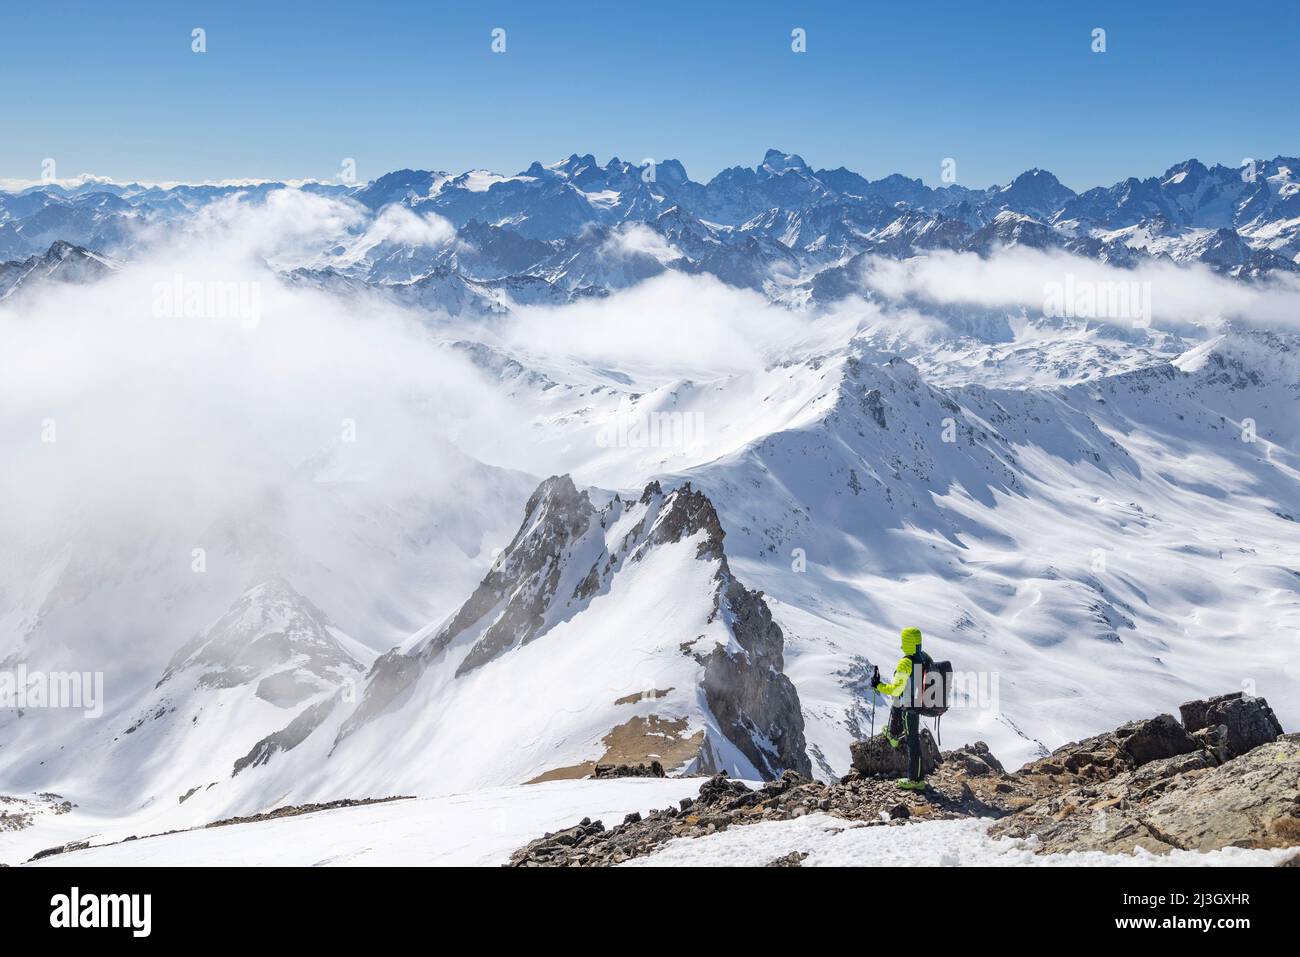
288	737
525	578
1232	723
1188	802
876	756
755	703
1105	755
1139	786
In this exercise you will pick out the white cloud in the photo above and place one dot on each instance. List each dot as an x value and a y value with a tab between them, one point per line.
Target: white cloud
124	430
671	320
1021	278
398	224
638	239
284	227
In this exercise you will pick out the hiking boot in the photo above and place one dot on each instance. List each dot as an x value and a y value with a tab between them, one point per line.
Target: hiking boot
907	784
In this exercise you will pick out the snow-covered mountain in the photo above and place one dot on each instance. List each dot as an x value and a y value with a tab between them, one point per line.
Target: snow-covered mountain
62	262
625	618
568	230
273	660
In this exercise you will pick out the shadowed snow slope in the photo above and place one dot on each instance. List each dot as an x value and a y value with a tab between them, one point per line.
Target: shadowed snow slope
1082	548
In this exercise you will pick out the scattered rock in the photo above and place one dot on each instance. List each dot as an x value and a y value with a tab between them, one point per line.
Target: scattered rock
723	803
18	813
61	849
652	770
294	810
793	859
974	759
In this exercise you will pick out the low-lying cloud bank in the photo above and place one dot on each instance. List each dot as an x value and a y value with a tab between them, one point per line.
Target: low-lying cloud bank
1041	282
193	405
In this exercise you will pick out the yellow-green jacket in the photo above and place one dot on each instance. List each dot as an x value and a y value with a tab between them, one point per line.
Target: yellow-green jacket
904	688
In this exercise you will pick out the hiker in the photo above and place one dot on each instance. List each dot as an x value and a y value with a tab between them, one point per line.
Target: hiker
905	712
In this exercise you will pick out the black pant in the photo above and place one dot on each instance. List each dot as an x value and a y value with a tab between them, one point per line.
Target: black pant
906	723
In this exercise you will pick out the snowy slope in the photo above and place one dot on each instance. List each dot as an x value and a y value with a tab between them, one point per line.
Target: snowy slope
612	634
271	660
831	842
1089	547
469	829
1111	533
482	828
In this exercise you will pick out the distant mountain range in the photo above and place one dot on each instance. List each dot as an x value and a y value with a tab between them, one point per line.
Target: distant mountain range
559	232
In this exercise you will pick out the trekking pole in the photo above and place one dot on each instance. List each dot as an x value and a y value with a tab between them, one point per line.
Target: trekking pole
873	712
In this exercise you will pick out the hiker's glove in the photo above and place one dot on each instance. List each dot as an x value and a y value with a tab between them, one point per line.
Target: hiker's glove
875	678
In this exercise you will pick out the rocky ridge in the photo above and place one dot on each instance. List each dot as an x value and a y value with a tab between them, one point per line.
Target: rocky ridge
567	554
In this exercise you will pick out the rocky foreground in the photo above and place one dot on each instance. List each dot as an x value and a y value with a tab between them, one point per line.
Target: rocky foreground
1226	775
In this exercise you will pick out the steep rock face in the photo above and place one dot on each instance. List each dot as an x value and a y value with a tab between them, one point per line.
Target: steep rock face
507	607
755	703
520	588
566	577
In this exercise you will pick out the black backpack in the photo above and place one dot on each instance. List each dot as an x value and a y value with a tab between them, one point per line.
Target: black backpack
936	688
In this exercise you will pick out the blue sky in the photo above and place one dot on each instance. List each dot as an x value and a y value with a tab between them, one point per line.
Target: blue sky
290	89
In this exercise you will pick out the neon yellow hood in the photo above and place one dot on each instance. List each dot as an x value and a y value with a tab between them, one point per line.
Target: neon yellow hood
911	640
